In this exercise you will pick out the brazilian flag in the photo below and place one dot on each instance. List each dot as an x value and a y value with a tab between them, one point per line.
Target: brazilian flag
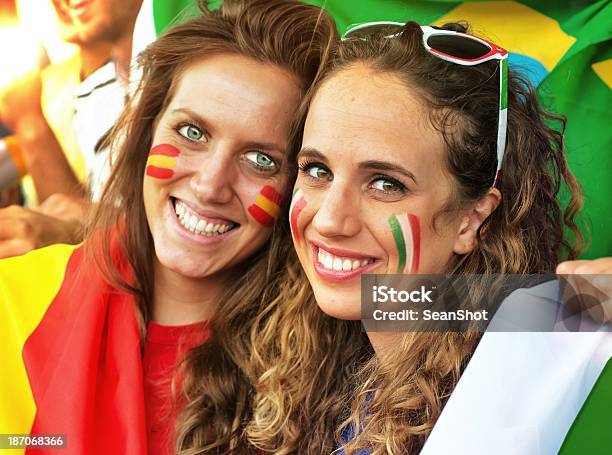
563	46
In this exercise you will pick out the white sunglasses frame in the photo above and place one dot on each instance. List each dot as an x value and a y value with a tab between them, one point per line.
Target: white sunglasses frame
495	53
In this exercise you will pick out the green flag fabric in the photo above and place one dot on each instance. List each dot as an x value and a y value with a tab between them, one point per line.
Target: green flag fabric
564	48
590	433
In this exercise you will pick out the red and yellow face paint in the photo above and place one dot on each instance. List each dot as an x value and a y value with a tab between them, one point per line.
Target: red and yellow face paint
162	161
266	207
407	235
297	205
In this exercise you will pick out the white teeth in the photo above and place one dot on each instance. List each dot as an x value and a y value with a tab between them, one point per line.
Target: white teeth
328	261
192	222
200	226
197	225
331	262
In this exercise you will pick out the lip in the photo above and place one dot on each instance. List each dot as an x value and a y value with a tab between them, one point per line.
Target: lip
197	238
79	8
340	275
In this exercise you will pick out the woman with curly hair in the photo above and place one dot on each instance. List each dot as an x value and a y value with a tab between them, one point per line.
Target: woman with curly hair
178	245
421	153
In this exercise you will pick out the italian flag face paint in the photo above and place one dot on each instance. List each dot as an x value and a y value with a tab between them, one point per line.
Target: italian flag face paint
266	206
297	205
407	236
162	161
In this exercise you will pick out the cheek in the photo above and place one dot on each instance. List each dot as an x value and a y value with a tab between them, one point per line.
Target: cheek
298	204
264	210
404	233
162	160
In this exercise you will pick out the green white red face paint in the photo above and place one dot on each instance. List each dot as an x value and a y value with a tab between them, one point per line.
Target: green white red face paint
407	235
162	161
297	205
266	206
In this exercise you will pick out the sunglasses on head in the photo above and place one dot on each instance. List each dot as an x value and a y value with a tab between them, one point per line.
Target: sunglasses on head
455	47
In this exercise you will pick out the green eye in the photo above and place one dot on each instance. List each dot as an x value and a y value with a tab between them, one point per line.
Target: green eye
261	160
191	132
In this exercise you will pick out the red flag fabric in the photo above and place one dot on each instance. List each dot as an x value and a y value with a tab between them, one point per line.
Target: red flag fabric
81	354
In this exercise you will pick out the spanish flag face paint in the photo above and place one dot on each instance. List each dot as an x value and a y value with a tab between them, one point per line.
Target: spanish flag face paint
266	207
407	235
297	205
162	161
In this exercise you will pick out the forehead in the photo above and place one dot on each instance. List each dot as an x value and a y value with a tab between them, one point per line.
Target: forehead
238	90
373	115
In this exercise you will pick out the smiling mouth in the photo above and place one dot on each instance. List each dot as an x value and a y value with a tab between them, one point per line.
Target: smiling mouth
78	8
337	263
340	265
198	224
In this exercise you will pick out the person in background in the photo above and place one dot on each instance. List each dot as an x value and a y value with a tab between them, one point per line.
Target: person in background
60	116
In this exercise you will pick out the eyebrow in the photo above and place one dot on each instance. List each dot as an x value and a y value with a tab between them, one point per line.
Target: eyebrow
190	113
389	167
309	152
264	146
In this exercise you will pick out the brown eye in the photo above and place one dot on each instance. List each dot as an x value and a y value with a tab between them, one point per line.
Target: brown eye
387	185
317	172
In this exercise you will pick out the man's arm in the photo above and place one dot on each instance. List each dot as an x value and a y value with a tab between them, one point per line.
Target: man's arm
20	110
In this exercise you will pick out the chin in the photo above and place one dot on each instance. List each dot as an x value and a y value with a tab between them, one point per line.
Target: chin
177	262
340	305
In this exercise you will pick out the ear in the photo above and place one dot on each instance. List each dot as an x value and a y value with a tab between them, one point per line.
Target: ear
472	219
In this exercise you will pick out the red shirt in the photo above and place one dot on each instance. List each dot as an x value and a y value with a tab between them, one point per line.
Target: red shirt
165	347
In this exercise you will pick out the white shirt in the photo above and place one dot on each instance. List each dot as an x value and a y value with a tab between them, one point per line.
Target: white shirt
98	103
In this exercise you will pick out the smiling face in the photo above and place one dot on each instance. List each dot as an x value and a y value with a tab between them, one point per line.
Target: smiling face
371	179
88	21
216	167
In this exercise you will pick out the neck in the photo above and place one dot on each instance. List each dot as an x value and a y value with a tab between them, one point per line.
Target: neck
181	300
93	56
122	54
384	342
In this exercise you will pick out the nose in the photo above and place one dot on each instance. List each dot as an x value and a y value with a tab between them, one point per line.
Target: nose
339	214
212	183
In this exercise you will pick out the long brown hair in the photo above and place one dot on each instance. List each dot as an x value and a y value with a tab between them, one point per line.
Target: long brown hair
295	36
394	401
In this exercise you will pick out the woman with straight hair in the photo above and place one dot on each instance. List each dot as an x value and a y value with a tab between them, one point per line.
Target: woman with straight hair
421	153
180	244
